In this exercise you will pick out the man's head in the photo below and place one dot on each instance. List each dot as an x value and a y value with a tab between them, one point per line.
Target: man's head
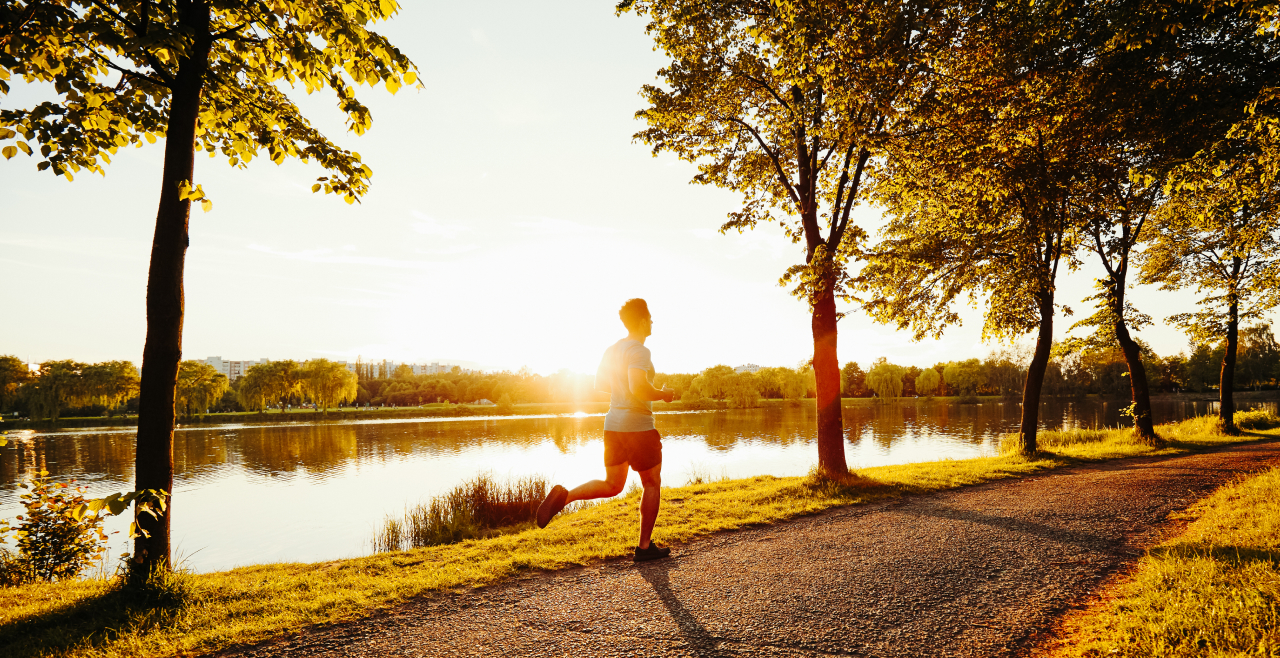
635	315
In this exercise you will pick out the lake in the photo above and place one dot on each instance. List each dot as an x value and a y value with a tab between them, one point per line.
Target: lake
249	494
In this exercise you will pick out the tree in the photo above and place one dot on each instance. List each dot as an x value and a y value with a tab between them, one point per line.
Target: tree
1259	356
853	382
979	195
200	385
786	103
280	381
885	379
715	381
742	390
1001	374
110	383
254	388
1150	113
13	374
327	383
1220	232
56	385
928	381
794	384
202	75
964	376
402	371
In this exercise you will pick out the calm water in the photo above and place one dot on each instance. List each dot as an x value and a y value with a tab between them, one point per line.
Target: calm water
293	492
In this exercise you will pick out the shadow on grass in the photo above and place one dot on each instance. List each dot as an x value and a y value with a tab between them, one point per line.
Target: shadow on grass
100	620
854	488
1234	555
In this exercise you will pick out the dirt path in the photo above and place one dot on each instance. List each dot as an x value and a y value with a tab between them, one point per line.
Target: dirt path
981	571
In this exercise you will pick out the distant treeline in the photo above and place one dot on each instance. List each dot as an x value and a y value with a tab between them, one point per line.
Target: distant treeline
1087	371
70	388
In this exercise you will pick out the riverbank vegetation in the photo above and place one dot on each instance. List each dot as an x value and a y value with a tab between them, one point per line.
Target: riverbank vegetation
204	612
1211	591
64	390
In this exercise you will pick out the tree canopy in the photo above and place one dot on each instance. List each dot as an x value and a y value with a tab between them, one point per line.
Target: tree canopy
116	65
200	385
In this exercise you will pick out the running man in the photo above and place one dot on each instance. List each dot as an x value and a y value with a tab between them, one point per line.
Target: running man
626	374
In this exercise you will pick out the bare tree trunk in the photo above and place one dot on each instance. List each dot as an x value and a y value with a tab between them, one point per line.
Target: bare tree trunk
826	368
1227	378
1143	426
1035	378
165	308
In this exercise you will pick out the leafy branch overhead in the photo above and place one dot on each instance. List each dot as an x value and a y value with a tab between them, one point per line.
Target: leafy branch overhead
114	66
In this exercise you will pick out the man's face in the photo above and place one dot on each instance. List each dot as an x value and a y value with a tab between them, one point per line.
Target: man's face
646	326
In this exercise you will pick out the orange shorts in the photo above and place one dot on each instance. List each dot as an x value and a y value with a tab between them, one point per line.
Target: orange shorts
643	450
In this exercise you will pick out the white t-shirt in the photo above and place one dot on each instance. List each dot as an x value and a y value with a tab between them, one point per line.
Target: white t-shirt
626	412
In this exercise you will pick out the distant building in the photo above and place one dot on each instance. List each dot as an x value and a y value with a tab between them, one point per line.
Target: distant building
750	367
233	369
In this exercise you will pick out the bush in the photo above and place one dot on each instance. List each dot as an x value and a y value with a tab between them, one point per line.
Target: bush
52	543
1257	419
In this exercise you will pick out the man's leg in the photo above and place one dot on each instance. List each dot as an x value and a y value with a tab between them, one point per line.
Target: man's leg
615	478
649	502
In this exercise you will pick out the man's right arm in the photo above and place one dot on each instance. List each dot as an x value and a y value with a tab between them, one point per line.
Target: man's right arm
641	389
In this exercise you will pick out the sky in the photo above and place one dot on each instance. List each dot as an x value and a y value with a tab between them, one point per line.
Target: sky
510	215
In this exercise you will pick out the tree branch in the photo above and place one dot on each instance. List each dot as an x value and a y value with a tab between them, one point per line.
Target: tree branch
777	166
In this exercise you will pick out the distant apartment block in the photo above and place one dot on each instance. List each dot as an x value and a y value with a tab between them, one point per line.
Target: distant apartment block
750	367
233	369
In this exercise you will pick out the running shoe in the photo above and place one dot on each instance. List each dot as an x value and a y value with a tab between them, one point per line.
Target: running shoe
551	505
654	552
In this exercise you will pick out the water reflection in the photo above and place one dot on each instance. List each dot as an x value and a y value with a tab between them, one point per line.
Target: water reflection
250	494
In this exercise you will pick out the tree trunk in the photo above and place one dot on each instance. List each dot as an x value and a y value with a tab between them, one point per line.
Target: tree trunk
1143	425
165	308
1227	379
1035	378
826	368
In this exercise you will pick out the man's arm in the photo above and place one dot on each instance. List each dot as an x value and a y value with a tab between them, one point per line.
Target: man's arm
638	378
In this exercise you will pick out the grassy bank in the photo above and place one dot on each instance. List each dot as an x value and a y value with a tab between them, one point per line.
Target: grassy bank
1212	591
204	612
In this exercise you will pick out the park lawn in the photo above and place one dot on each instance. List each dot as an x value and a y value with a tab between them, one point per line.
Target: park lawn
1212	591
193	613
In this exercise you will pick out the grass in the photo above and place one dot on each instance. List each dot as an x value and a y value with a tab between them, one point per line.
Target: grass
480	507
1213	591
97	618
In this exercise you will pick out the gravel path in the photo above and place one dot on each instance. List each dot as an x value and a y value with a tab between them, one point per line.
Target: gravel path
982	571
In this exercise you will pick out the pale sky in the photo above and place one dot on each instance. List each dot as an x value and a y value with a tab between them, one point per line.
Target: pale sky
510	215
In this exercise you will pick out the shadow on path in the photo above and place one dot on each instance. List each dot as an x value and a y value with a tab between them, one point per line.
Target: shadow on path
700	641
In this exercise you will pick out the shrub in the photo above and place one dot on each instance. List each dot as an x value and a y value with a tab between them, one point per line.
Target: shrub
1256	419
53	541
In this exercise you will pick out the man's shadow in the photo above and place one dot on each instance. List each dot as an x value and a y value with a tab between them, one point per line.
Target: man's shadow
699	640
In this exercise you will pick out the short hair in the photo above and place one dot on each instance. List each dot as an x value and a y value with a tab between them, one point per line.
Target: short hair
633	312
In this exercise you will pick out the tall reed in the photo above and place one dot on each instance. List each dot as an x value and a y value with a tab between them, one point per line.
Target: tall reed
476	508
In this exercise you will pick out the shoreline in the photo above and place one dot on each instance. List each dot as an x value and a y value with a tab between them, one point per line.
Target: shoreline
552	409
